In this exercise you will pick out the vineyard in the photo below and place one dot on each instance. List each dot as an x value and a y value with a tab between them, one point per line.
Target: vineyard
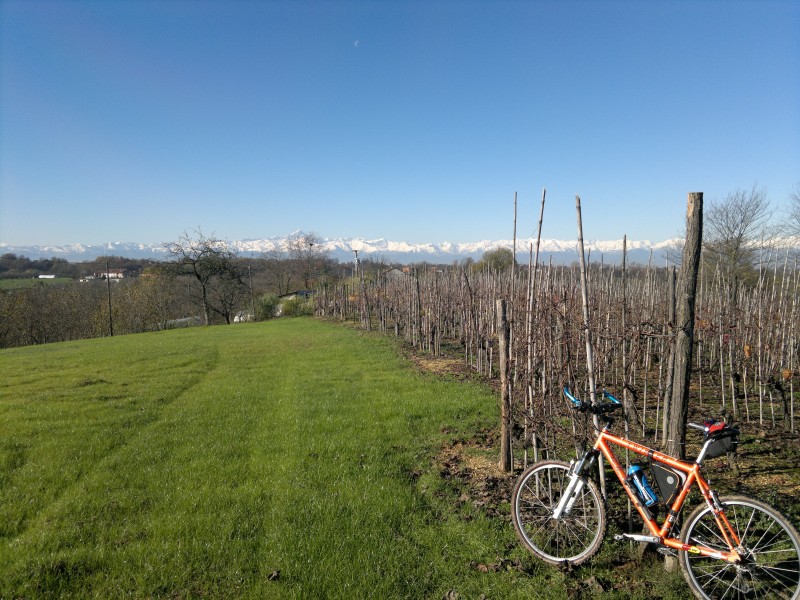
745	348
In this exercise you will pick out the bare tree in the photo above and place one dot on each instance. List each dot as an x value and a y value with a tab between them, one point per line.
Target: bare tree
306	250
736	230
793	222
279	270
227	290
209	261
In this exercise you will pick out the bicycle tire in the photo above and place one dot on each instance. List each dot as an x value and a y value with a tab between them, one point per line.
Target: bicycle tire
576	536
771	568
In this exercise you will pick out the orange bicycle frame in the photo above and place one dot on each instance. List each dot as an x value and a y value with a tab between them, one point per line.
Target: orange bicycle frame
692	470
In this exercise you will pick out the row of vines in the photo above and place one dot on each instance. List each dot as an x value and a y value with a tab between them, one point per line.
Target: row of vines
747	338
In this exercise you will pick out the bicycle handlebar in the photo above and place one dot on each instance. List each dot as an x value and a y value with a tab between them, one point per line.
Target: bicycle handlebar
595	409
601	409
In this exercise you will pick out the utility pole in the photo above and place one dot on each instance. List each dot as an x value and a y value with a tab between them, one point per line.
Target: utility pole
252	297
110	317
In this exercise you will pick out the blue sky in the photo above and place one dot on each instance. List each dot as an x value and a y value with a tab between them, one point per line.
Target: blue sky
413	121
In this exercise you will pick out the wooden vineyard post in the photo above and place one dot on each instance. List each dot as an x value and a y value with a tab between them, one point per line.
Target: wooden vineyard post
588	334
671	283
533	269
503	332
684	328
585	302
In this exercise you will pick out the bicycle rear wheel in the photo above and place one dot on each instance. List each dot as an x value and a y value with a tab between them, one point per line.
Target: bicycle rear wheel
770	547
577	535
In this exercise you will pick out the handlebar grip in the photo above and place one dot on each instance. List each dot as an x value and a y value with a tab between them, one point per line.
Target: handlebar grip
575	402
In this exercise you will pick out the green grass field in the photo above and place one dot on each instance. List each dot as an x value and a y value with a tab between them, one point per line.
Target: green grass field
12	284
287	459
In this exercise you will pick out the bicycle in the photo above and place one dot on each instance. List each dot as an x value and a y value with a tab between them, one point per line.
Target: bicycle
728	547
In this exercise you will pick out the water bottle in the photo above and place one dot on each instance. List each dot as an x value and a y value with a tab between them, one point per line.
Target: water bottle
641	485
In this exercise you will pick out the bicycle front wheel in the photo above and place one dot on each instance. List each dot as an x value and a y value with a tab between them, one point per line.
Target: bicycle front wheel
576	535
770	548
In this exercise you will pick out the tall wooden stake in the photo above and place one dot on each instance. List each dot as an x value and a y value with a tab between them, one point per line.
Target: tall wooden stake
585	299
671	290
503	331
588	335
684	327
532	272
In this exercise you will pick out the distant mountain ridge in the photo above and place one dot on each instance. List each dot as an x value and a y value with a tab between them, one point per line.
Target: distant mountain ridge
343	249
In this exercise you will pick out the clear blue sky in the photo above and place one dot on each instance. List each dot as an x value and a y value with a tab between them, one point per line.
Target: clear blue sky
413	121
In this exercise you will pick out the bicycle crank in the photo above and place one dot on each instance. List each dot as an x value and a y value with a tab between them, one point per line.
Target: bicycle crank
635	537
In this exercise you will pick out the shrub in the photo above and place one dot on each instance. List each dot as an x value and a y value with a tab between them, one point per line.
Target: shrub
297	307
267	307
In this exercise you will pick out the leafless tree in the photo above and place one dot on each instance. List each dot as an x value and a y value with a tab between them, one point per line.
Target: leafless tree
210	261
736	231
228	291
306	250
793	222
279	270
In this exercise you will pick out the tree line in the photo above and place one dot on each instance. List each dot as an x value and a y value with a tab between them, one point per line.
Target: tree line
201	282
13	266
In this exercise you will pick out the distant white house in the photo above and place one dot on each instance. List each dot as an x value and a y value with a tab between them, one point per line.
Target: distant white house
185	322
111	274
304	294
47	276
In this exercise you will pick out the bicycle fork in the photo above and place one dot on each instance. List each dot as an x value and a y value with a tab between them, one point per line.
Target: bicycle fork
576	484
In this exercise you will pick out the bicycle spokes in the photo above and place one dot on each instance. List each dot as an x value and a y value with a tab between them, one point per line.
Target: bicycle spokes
576	534
729	548
769	550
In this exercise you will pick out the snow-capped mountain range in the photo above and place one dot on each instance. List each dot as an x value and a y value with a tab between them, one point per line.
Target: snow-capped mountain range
343	249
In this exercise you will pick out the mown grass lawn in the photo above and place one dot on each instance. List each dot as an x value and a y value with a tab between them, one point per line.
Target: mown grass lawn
285	459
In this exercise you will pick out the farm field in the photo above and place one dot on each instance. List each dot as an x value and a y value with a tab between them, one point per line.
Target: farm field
11	284
286	459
